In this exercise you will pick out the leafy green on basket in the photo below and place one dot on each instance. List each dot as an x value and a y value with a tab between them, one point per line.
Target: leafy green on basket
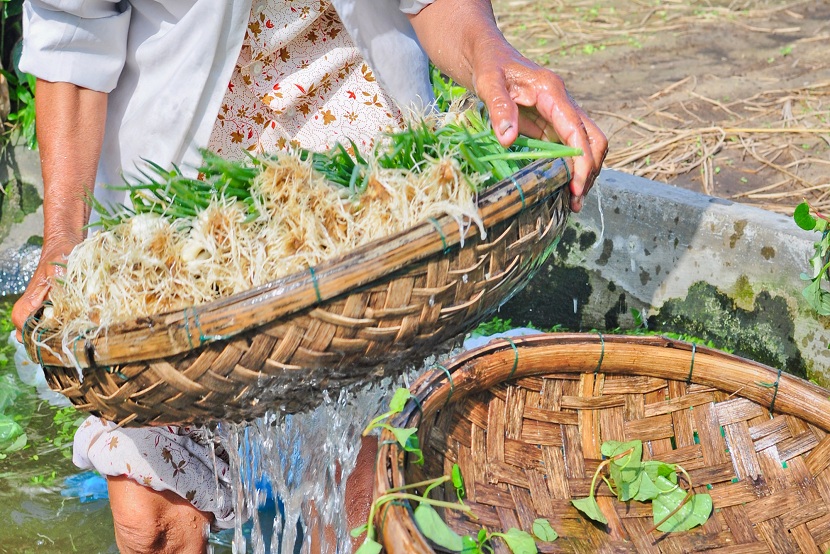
426	516
630	478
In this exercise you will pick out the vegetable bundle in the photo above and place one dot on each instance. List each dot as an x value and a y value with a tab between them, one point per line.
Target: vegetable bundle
184	241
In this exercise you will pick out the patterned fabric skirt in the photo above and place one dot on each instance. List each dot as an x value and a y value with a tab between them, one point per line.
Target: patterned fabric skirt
299	81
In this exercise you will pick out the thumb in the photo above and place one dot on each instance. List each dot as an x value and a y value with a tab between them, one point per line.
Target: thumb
31	300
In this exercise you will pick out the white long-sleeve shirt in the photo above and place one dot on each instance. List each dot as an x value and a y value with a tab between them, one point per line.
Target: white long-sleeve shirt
166	65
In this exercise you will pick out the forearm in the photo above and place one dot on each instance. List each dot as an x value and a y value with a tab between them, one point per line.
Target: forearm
70	130
452	31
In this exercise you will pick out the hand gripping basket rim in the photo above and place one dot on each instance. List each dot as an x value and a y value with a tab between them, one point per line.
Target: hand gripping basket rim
128	365
561	354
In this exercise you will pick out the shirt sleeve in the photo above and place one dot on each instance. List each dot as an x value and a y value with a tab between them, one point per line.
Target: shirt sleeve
412	7
83	42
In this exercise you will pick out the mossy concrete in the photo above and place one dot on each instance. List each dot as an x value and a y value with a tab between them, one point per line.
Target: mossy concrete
22	195
21	217
690	263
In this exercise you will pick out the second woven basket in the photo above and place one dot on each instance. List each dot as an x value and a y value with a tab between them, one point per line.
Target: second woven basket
525	419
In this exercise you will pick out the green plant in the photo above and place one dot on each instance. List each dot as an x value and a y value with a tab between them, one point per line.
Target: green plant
630	478
21	118
641	328
426	517
811	220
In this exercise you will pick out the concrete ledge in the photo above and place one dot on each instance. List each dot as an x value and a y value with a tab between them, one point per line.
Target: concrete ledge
693	263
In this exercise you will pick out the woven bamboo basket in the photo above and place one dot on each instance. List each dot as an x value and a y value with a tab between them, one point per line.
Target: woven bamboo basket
349	319
525	419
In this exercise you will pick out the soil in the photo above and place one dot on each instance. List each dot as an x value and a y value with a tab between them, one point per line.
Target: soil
727	98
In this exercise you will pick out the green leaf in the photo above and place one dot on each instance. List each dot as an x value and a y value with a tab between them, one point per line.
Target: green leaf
402	434
803	218
9	429
357	531
470	546
817	297
398	401
646	489
18	444
413	447
626	470
543	530
458	481
693	513
369	547
626	488
655	469
435	529
590	508
520	542
610	449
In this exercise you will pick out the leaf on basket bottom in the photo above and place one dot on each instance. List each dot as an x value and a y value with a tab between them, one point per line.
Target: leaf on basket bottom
543	530
590	508
518	541
693	513
434	528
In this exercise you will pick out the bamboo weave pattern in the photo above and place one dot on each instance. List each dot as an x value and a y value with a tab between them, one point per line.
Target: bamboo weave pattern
527	446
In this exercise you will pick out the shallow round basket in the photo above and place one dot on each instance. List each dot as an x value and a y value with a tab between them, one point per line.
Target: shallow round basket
525	420
277	346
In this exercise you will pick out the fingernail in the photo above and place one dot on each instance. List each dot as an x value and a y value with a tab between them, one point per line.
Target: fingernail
504	126
577	203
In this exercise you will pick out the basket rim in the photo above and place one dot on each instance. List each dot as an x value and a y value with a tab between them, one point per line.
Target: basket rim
579	353
617	354
176	332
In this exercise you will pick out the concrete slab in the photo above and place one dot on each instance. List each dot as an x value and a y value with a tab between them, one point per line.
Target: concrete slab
691	263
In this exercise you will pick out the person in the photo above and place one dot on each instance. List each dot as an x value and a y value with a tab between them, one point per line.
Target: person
123	80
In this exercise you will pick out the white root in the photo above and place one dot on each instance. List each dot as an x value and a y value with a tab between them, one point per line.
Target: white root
150	265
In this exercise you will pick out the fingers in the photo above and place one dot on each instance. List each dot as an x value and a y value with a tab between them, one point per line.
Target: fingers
32	299
574	128
491	88
48	268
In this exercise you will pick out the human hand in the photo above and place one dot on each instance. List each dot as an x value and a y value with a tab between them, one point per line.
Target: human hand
49	267
525	98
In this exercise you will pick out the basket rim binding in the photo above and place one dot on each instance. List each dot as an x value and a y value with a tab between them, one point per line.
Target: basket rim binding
168	334
504	360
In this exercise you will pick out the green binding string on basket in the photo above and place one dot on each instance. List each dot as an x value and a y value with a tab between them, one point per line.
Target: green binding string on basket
417	404
452	384
202	336
187	329
440	233
602	343
74	346
519	188
515	357
315	283
775	392
400	503
39	354
692	366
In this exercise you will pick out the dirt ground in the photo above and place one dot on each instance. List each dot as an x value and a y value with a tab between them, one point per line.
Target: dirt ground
728	98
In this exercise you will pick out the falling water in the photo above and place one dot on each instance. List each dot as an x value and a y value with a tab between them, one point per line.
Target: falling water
302	460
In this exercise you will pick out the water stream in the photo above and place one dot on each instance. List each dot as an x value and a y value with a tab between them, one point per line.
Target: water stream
290	472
